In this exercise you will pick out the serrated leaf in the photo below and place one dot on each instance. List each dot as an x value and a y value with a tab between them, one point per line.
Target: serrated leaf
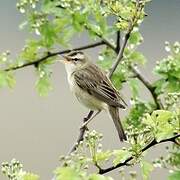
146	168
7	79
162	115
121	156
163	128
49	36
165	132
43	86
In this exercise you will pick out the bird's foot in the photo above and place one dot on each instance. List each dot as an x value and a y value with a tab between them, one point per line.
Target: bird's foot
84	126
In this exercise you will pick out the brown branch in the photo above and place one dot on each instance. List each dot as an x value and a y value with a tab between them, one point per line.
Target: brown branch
118	42
152	144
82	132
49	54
120	55
148	85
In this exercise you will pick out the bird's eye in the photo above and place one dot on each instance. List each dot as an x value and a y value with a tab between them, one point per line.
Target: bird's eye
75	59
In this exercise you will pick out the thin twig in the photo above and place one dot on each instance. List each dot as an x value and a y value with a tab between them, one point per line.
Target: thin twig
107	42
82	131
152	144
52	54
148	85
118	42
120	55
126	37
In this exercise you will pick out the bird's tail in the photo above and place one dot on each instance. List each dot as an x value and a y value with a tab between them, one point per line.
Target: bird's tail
114	112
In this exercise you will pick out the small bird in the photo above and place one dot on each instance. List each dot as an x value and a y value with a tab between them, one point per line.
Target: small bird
93	88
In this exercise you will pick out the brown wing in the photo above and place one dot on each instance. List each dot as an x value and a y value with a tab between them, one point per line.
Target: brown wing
95	82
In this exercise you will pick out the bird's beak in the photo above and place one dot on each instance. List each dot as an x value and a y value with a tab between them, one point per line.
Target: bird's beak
65	59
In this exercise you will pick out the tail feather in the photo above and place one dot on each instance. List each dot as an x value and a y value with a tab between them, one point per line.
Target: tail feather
114	112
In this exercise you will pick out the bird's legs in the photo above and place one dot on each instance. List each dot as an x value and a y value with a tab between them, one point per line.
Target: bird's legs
89	120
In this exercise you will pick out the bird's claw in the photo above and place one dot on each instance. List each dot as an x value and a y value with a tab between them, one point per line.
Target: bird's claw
84	126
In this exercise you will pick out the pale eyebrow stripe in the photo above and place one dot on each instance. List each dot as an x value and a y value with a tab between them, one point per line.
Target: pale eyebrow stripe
78	56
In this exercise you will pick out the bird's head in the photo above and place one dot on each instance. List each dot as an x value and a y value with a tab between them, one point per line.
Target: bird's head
76	59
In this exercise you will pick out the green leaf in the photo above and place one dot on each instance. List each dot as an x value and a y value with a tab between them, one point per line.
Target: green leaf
174	176
10	80
101	20
162	129
134	87
43	86
30	176
146	168
159	86
99	177
103	156
137	57
173	85
3	80
162	116
117	79
67	173
135	38
30	50
164	132
121	156
7	79
149	121
160	121
66	36
49	35
137	111
78	20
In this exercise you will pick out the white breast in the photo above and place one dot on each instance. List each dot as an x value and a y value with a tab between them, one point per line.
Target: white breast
70	69
83	97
